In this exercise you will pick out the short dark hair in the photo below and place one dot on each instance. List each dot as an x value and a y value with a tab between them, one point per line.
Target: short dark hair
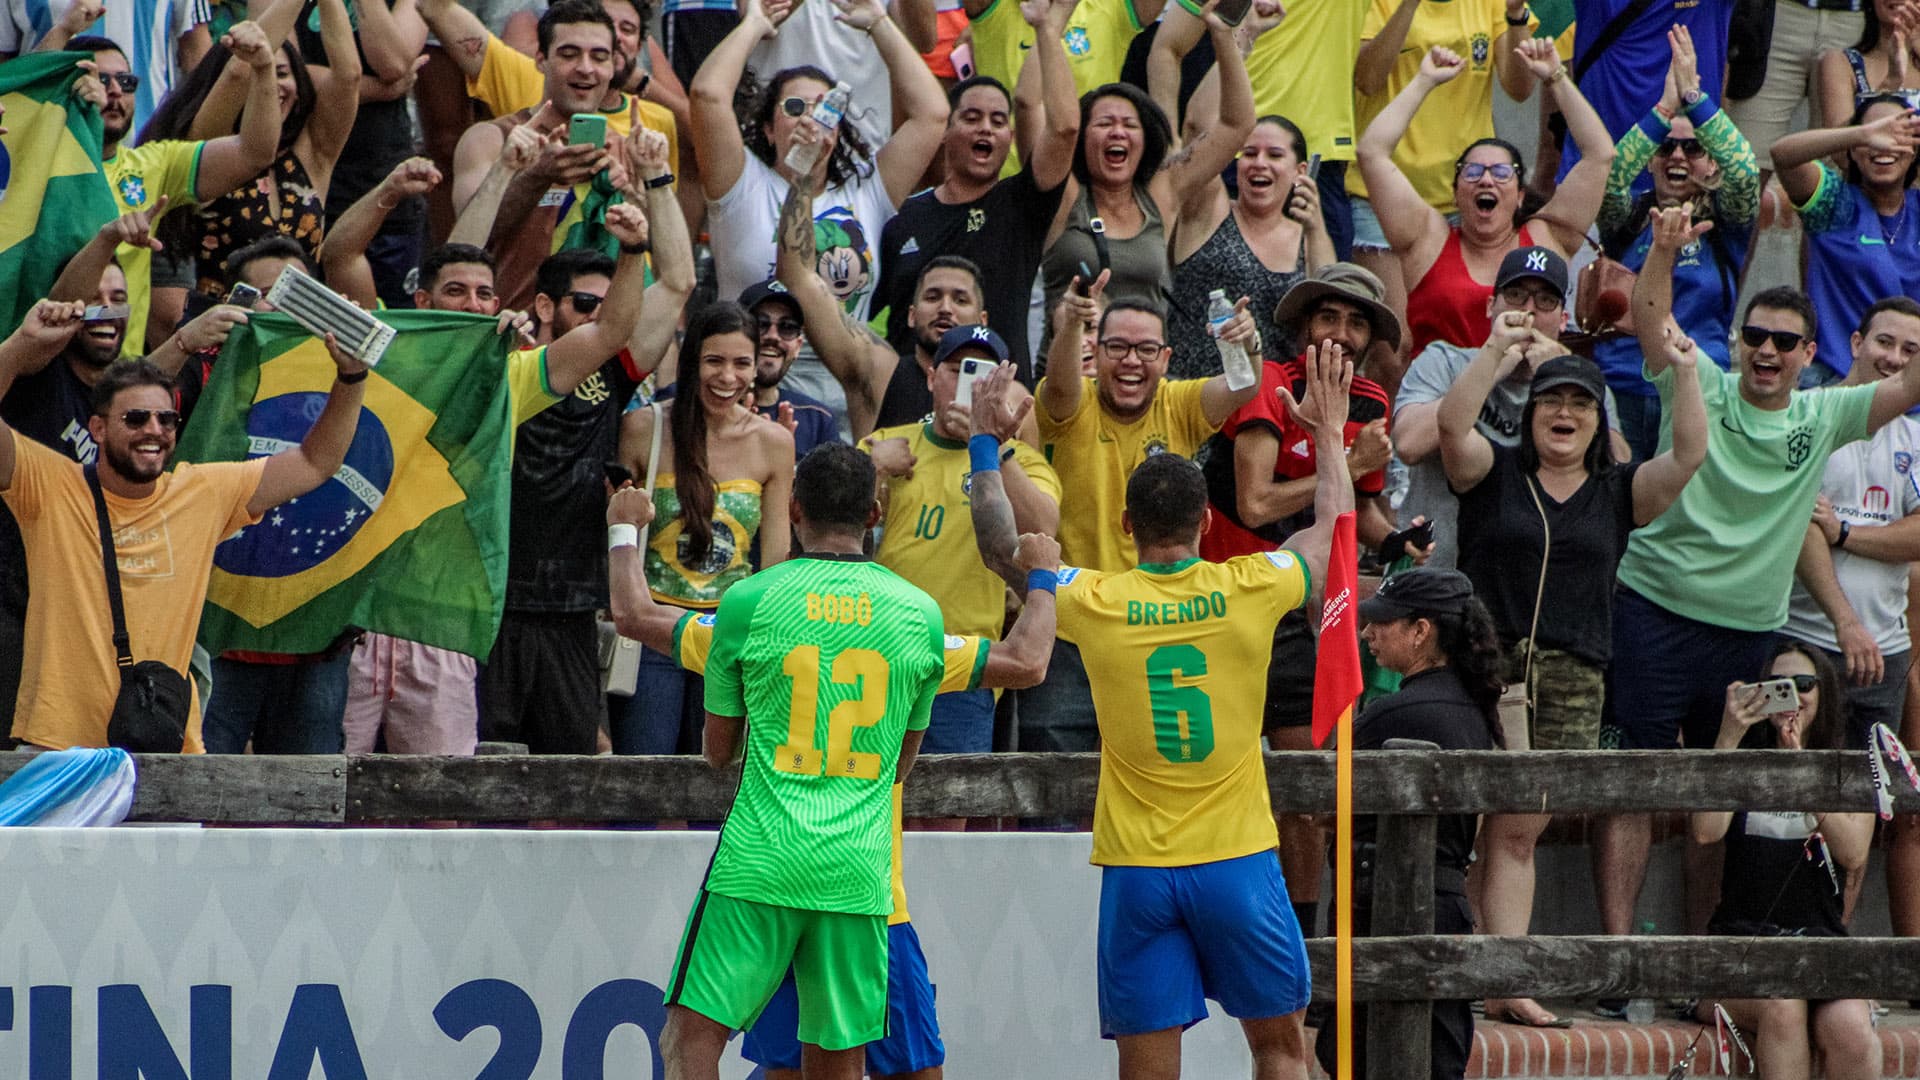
276	246
1166	499
1786	298
448	255
949	262
1899	305
568	12
93	43
960	89
1132	304
125	375
557	273
833	486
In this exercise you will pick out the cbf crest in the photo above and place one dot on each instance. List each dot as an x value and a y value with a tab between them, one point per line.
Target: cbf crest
1482	47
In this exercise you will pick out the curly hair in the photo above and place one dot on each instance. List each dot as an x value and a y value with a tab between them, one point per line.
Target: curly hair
1471	646
754	104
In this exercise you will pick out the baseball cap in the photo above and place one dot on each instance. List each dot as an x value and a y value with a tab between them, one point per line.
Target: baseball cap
1423	590
970	337
1533	262
1570	371
770	289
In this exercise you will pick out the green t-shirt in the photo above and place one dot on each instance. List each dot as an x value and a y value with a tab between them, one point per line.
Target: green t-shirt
833	643
1724	552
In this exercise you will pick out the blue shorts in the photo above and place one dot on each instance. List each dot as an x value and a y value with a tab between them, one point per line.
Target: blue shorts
1173	936
962	723
913	1026
1670	673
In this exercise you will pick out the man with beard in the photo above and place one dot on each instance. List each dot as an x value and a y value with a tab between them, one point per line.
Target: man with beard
975	214
165	526
179	172
779	331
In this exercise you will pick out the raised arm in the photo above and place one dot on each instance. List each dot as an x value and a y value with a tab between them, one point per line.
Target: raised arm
916	93
580	351
1576	202
392	37
1373	68
635	614
1051	155
1658	483
1323	412
1741	712
232	160
1020	659
519	150
462	35
343	255
1216	140
1673	229
716	130
1797	157
919	21
1217	399
290	474
339	87
72	23
1076	315
1510	64
80	279
1404	216
1179	32
48	327
1014	504
221	107
673	271
1466	454
860	361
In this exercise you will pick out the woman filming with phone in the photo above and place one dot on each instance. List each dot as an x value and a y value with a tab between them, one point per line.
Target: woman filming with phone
1788	873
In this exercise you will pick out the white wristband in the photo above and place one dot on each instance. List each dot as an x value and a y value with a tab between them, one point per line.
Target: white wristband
622	534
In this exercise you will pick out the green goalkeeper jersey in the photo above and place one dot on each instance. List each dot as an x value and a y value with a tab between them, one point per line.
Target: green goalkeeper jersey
832	660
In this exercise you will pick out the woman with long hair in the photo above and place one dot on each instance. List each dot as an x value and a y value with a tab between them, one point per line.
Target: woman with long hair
1449	262
1259	243
1696	156
290	198
724	480
1786	871
1426	625
1885	59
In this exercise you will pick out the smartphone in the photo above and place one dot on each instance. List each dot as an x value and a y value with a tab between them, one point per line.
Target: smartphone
1086	280
1233	12
1313	167
587	129
1778	696
104	312
972	370
962	57
617	474
243	295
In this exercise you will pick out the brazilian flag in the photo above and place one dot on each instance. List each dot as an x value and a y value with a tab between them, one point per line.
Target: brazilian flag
409	538
54	195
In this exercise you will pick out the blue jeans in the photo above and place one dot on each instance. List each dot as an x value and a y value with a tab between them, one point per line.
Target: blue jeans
666	713
282	708
962	723
1639	417
1336	207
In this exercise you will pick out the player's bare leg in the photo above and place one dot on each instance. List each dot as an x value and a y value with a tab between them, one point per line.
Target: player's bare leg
1303	837
1279	1046
1153	1056
691	1045
935	1073
818	1064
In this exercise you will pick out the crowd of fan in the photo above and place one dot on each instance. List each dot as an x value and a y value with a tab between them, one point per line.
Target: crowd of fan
1637	466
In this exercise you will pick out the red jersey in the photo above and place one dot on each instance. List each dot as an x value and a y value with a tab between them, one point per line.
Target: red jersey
1448	304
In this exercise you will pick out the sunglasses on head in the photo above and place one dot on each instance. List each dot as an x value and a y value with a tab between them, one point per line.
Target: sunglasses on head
1474	170
1783	340
1689	147
788	329
137	418
795	106
129	82
585	302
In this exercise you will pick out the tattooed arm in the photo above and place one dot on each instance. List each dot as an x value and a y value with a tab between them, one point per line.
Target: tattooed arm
849	348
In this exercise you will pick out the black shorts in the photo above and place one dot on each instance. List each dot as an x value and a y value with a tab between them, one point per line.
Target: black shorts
1290	674
691	35
541	686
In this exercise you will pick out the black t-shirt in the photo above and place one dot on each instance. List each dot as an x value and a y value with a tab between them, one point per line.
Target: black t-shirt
556	549
1003	231
908	399
1769	881
52	407
1500	545
382	135
1433	706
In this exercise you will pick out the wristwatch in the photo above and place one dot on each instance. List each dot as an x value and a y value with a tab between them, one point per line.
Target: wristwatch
1525	17
1846	529
1692	97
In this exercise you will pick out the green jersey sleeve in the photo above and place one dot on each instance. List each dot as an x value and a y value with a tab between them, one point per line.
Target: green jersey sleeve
726	682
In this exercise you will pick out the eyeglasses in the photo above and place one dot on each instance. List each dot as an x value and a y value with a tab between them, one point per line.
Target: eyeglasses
585	302
1802	684
129	82
1783	340
795	106
1474	170
1689	147
1117	349
1519	296
137	418
1575	403
788	329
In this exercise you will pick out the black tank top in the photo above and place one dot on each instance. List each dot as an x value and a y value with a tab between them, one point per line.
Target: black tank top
907	400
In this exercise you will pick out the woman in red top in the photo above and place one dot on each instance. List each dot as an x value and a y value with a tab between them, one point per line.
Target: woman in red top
1450	267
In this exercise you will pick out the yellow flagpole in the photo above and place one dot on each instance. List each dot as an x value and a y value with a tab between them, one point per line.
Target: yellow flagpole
1343	893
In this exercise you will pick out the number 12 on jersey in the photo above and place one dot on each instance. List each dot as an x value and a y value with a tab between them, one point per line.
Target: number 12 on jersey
864	669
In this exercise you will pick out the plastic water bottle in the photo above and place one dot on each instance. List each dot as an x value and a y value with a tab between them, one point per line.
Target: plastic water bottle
802	157
1233	359
1640	1011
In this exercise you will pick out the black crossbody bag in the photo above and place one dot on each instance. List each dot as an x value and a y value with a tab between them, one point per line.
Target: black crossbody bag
150	711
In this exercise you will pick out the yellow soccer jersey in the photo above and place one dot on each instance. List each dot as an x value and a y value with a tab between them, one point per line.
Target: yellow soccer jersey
929	536
1097	36
1094	455
139	176
966	662
1177	657
528	391
510	80
1303	70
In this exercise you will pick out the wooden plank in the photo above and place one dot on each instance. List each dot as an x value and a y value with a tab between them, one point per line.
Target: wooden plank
383	788
1398	1034
1388	969
224	789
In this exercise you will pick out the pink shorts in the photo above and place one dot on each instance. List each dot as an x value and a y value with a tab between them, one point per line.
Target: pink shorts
421	697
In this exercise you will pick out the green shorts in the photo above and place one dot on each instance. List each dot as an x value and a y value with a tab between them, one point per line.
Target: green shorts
735	953
1568	696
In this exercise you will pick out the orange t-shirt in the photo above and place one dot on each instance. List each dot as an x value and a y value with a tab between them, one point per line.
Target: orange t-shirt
164	544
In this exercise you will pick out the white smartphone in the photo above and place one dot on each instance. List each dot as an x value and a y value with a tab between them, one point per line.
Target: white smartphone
972	370
1778	696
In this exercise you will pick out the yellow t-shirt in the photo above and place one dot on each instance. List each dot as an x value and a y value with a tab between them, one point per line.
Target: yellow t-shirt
1094	454
966	661
510	80
1177	658
929	537
139	175
164	545
528	390
1303	70
1097	36
1456	113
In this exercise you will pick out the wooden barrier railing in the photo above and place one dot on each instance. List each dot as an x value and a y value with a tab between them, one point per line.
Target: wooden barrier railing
1399	972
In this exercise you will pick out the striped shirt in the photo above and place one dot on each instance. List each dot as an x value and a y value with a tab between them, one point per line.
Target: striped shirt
147	30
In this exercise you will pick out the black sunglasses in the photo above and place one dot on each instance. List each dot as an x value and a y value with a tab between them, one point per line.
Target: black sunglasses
788	329
585	302
1803	684
129	82
795	106
1690	147
137	418
1783	340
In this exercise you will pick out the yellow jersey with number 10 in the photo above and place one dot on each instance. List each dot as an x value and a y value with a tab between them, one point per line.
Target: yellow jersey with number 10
1177	656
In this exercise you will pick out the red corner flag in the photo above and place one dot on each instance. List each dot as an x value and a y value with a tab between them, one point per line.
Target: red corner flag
1337	681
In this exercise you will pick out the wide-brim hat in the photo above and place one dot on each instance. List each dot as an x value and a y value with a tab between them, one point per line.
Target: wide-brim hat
1340	281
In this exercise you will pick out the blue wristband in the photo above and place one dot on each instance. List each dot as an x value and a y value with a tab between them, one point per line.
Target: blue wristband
1042	579
983	453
